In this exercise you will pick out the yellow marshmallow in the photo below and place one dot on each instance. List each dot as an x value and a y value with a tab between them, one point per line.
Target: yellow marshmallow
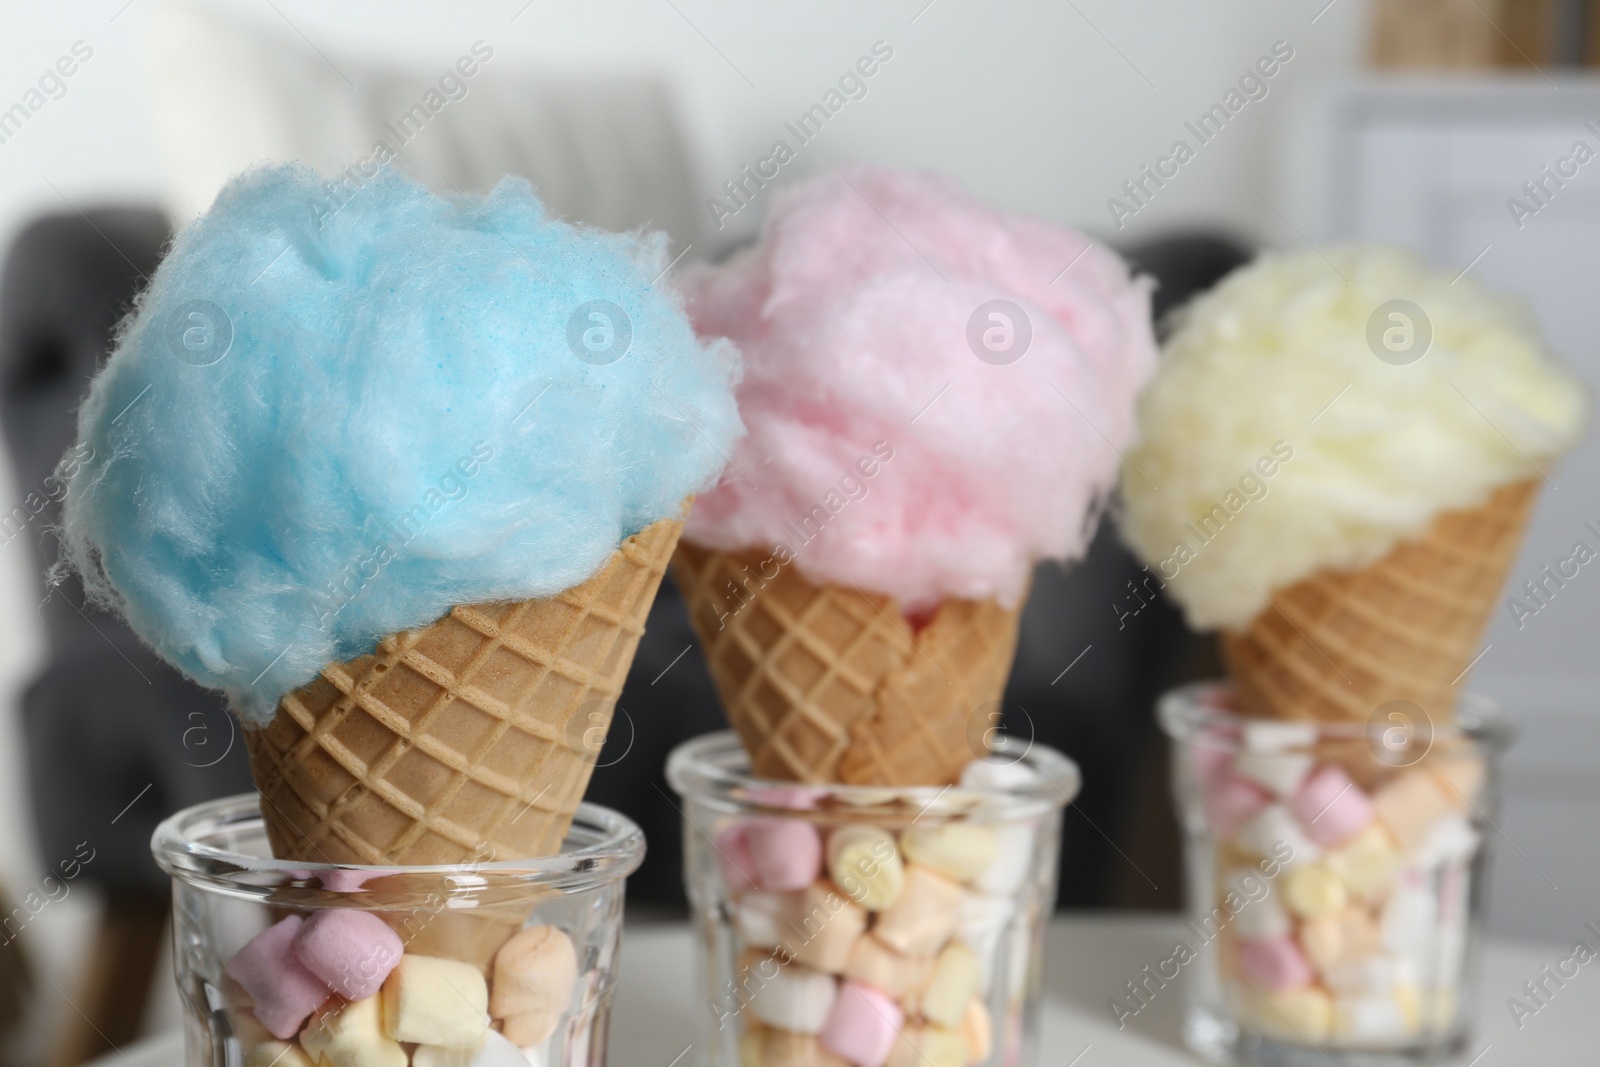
1314	891
954	981
1410	1006
957	850
277	1054
865	862
351	1035
1367	864
1306	1013
431	1001
927	1046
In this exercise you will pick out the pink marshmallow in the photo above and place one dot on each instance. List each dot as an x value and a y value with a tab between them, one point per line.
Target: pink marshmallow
733	857
786	853
352	951
871	291
283	993
1211	760
1275	964
340	880
1331	807
1231	802
862	1026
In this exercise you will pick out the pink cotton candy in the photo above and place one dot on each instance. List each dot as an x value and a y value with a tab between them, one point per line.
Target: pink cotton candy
882	451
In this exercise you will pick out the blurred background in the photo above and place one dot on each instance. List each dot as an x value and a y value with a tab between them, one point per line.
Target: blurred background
1450	126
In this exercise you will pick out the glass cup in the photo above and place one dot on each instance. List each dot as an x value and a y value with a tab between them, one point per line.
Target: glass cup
292	964
1336	879
897	926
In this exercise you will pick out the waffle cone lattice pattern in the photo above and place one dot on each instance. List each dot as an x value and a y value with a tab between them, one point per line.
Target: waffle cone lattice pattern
1339	644
833	684
464	734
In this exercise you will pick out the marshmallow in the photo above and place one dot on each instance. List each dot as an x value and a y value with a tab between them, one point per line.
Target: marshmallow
1331	807
977	1031
1269	735
1275	833
958	850
997	775
1370	1019
1279	773
1210	759
1258	919
1230	802
1411	805
1367	863
785	853
277	1054
763	918
865	862
1015	846
794	797
924	916
1409	919
825	929
928	1046
953	984
351	1035
981	922
1303	1014
862	1026
1330	941
1314	891
1453	839
733	858
432	1001
780	1048
1274	965
283	993
351	951
534	975
1372	975
877	965
495	1051
795	999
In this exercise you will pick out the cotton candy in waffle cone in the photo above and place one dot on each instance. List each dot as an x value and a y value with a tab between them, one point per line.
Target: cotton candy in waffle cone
464	740
1337	645
833	684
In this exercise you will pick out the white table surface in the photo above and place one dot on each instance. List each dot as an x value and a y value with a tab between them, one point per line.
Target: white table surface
658	1009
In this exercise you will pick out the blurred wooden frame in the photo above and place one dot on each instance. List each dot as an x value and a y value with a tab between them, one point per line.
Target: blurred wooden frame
1478	34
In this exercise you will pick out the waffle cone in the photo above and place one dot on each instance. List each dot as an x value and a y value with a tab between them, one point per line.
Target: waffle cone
463	740
1337	645
832	684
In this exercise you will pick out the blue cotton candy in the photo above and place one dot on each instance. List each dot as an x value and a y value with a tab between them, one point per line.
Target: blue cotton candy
330	420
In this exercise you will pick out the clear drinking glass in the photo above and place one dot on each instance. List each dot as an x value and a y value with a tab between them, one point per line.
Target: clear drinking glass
898	926
489	963
1336	879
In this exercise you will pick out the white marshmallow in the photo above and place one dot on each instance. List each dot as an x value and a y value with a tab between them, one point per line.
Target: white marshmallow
762	917
1409	922
1013	860
1258	920
981	925
1273	827
796	999
1279	773
1452	840
1370	1019
996	774
1373	976
1263	735
495	1051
